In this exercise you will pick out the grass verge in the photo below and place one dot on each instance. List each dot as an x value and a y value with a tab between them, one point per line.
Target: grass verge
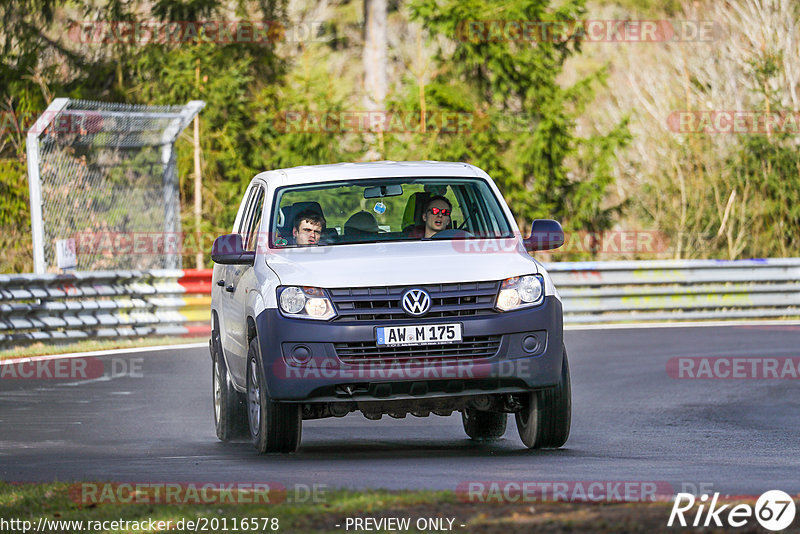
61	502
41	349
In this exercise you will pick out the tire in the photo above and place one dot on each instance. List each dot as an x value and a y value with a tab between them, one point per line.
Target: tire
274	427
544	421
484	426
230	406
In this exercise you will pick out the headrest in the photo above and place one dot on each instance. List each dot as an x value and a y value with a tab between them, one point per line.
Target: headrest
362	222
412	215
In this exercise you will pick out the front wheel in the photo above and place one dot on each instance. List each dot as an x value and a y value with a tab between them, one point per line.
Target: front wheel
230	413
544	421
274	427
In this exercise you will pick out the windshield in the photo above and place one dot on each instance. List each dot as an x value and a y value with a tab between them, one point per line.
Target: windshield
389	209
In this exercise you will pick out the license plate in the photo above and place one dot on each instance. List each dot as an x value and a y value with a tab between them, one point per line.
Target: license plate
428	334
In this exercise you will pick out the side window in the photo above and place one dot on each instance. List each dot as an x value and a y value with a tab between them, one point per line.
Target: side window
475	206
250	240
241	222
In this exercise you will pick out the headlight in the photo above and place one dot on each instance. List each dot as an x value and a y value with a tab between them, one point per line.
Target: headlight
305	302
520	292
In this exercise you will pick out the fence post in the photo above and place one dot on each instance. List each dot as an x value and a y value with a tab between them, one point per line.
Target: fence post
34	181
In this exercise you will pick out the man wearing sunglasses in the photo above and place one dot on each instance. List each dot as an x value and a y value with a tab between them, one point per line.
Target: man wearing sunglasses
436	215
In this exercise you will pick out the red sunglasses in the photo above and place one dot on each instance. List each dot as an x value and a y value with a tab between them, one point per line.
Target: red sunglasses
437	211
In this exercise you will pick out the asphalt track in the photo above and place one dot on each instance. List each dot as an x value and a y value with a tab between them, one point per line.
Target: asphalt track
631	422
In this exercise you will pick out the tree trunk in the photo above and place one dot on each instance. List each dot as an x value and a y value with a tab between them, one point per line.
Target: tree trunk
198	182
375	63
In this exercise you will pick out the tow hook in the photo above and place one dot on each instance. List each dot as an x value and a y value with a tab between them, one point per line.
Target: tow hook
512	404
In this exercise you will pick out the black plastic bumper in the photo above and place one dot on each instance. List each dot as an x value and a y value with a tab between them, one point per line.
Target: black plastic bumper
324	377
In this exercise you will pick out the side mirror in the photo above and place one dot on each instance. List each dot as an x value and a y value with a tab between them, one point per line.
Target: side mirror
546	234
228	250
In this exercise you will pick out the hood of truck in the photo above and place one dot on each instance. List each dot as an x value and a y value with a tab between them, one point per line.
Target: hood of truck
401	263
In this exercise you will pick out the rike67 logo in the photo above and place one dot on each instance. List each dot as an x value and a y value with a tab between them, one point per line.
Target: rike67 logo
774	510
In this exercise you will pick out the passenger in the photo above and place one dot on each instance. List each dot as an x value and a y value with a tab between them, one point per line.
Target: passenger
436	215
308	227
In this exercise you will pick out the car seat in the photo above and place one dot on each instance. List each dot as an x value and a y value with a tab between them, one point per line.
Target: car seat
361	224
329	235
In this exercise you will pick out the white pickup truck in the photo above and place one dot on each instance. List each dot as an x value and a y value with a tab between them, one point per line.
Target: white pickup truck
386	288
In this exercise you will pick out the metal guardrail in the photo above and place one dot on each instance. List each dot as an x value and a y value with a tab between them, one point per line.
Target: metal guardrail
675	290
103	304
177	302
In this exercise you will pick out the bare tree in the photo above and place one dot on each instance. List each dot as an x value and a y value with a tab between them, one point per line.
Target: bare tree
681	180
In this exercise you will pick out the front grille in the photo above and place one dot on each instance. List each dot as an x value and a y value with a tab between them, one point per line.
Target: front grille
383	303
368	351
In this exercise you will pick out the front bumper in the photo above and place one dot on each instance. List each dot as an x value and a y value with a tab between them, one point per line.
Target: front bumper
326	378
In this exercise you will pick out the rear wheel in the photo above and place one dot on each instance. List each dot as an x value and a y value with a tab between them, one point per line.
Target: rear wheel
274	427
484	426
544	421
230	408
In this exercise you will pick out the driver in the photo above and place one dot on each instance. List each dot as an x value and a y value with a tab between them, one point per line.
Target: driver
436	215
308	227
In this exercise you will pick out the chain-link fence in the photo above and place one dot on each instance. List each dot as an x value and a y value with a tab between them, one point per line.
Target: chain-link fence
104	188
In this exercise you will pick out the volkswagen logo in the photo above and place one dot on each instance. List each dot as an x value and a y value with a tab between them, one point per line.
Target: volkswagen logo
416	302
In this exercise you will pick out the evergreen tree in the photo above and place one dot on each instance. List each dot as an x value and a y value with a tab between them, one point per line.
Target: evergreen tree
528	142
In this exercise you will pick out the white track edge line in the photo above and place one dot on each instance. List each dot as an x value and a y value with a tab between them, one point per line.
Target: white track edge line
108	352
691	324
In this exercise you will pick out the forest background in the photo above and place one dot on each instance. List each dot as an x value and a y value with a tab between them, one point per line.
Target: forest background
580	130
